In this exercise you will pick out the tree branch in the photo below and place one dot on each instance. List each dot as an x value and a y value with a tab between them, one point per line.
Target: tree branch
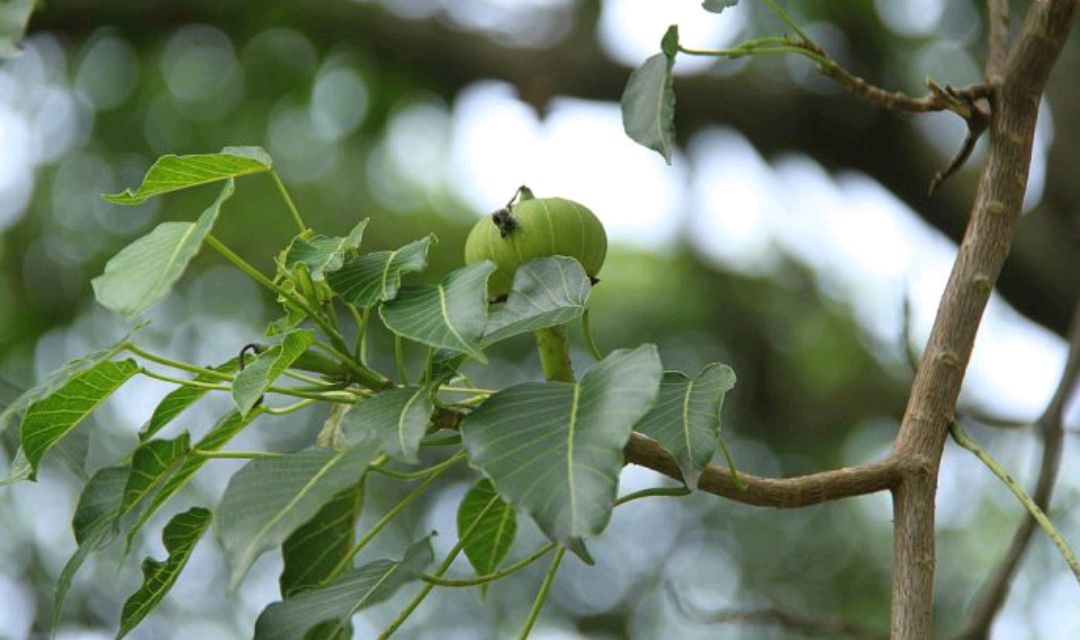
997	39
783	493
978	263
993	594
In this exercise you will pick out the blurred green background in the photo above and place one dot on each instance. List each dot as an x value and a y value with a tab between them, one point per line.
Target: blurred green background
783	241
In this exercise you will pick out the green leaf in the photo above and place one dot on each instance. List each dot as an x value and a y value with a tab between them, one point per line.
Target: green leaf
57	379
397	418
669	44
146	270
546	292
14	16
323	255
313	551
376	277
490	541
686	417
269	498
180	537
717	6
151	465
331	607
444	366
648	105
173	173
214	440
182	398
450	315
556	449
49	419
331	435
94	524
251	383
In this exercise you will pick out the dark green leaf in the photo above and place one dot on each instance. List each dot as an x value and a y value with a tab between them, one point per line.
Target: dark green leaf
331	607
94	525
217	438
376	277
490	541
450	315
48	419
322	255
546	292
180	537
669	44
172	173
556	449
397	418
444	365
648	106
151	465
313	551
269	498
717	6
182	398
686	417
251	383
146	270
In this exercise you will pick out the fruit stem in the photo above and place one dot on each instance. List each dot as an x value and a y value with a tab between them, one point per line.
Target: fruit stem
524	193
554	346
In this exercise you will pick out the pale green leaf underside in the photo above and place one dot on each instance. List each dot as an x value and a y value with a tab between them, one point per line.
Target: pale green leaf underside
376	277
14	16
546	292
312	552
49	419
270	498
146	270
178	400
173	173
323	255
180	537
94	524
450	315
332	606
396	418
555	449
686	417
251	383
490	541
648	106
215	439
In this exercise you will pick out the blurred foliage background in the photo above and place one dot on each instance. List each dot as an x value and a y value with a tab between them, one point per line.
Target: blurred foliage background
423	115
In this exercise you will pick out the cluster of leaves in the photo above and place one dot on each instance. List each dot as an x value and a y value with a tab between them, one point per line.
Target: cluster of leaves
552	450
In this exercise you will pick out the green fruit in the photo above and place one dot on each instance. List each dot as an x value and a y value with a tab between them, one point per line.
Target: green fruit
534	228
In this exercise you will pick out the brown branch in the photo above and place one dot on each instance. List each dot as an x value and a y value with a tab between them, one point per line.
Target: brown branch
997	39
978	264
993	594
783	493
802	625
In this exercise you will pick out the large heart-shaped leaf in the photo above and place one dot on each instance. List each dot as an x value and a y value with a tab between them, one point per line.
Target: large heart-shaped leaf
48	419
686	417
312	552
555	449
323	255
94	524
270	498
546	292
451	315
182	398
180	537
172	173
251	383
648	105
490	541
151	465
376	277
330	608
397	418
146	270
214	440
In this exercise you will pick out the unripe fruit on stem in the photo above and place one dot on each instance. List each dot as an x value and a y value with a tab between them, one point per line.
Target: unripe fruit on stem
534	228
